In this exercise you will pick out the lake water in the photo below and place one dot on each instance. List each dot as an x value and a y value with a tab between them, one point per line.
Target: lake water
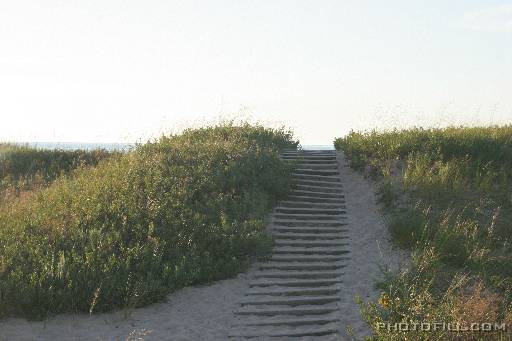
121	146
318	146
79	145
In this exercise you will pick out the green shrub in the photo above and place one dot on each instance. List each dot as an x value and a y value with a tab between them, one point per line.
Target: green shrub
407	227
182	210
387	194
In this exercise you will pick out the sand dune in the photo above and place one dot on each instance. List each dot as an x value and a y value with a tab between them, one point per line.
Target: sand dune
206	312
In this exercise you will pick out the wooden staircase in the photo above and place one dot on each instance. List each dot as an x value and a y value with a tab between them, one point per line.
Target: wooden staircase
296	293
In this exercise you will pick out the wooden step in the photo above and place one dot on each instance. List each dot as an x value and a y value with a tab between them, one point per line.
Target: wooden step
298	321
309	223
309	171
299	310
318	183
302	266
310	210
288	250
307	229
312	205
310	236
285	291
292	300
289	332
295	282
318	189
309	216
298	274
330	160
321	166
308	258
312	194
323	178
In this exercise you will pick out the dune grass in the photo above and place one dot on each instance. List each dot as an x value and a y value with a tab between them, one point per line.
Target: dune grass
447	197
23	168
182	210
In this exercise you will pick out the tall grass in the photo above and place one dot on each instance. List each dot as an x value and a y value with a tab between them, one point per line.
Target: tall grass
23	168
182	210
447	194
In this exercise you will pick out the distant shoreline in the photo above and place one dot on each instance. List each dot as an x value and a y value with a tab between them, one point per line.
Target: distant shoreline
77	145
118	146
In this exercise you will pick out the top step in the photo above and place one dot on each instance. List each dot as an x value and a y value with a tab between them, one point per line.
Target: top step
308	150
307	154
326	157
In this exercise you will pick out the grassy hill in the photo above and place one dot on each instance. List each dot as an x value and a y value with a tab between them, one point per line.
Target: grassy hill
182	210
23	168
447	197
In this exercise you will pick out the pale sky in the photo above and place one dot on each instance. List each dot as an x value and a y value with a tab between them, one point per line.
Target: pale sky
124	70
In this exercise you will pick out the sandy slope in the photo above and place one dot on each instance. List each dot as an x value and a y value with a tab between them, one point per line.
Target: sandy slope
205	313
194	313
370	248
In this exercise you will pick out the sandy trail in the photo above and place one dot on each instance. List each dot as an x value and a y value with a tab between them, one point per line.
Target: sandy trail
206	312
370	248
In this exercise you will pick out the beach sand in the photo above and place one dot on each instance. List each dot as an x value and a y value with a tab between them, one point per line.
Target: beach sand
370	249
193	313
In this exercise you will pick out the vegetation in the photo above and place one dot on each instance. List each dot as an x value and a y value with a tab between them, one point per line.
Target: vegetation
182	210
23	168
447	196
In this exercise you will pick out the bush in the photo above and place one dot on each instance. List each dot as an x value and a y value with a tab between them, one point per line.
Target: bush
407	227
183	210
